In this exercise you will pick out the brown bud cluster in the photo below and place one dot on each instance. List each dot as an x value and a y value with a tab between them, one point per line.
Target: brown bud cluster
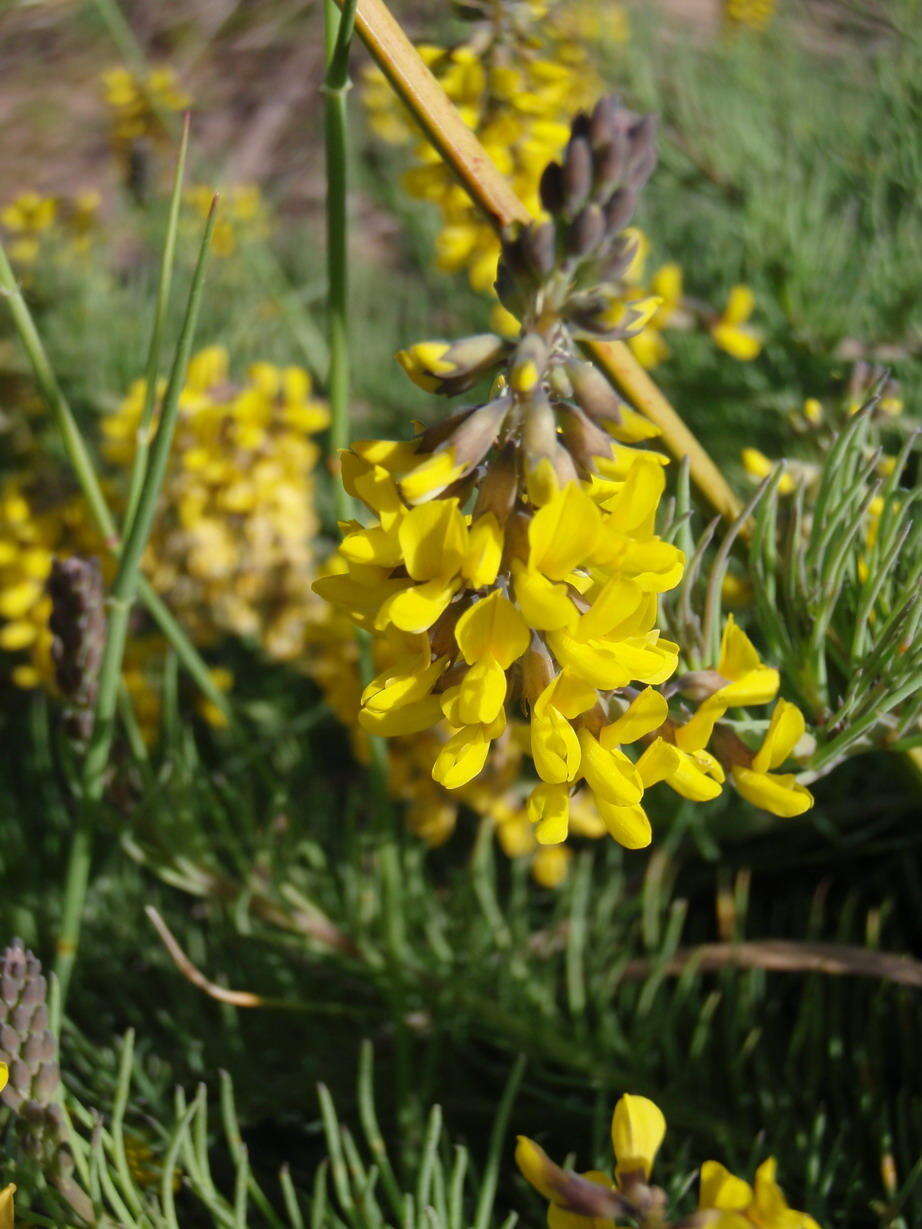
29	1049
78	627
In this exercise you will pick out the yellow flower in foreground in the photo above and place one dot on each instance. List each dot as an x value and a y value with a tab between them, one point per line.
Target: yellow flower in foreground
743	679
742	1206
596	1200
780	793
732	332
6	1206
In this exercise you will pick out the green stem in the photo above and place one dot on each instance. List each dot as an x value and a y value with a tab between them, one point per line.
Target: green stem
79	456
338	33
121	600
142	448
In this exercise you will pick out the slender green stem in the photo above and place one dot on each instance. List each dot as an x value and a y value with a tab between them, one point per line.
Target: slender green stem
338	31
161	307
120	602
80	459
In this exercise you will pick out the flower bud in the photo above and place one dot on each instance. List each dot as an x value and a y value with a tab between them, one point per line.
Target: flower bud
586	231
78	628
451	367
528	364
577	174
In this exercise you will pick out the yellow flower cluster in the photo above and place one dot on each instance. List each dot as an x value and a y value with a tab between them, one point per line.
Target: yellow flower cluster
137	104
518	105
27	219
600	1200
232	547
241	215
739	680
30	219
753	14
36	522
543	613
730	329
41	521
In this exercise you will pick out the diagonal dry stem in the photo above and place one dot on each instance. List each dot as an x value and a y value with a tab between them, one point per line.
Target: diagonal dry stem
437	116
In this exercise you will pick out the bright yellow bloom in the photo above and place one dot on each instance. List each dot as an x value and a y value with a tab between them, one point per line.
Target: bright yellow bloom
137	103
28	218
758	466
744	681
232	548
6	1206
780	793
754	14
481	639
597	1200
762	1205
732	331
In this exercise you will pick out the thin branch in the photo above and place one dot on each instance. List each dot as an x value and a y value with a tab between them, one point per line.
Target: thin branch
459	147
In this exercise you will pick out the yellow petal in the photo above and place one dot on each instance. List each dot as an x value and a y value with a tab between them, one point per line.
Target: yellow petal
409	719
462	758
535	1165
629	826
738	655
780	793
637	1130
484	551
416	608
644	714
493	628
609	774
429	479
545	604
433	539
554	746
722	1191
482	693
562	533
663	762
6	1206
549	810
615	601
785	730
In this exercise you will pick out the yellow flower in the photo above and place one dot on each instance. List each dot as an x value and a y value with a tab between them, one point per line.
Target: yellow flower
780	793
517	107
595	1198
762	1205
137	103
732	332
758	467
754	14
28	218
232	547
6	1206
744	681
469	622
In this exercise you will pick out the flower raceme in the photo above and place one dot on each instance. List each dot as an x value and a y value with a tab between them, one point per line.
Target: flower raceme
543	615
599	1200
512	562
